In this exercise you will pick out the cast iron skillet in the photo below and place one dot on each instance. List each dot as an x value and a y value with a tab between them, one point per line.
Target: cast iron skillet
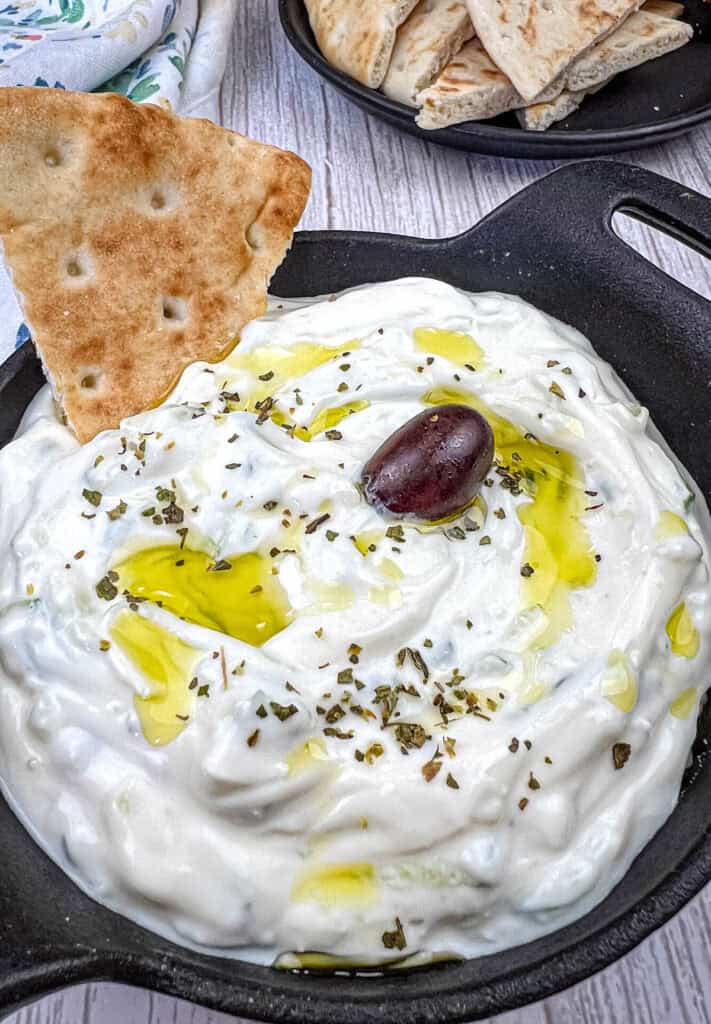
552	244
652	103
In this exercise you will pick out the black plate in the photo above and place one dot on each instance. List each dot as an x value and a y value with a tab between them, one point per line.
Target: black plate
655	102
657	333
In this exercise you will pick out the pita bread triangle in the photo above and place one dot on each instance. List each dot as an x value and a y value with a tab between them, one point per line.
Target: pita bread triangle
534	41
137	241
432	35
643	36
357	36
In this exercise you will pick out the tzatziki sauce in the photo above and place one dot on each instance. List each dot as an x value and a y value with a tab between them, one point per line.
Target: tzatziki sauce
243	708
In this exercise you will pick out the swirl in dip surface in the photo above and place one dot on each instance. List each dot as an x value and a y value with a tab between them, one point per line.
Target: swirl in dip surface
243	708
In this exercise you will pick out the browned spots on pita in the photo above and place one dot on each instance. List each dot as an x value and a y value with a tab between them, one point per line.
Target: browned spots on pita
528	29
138	241
591	13
357	36
543	37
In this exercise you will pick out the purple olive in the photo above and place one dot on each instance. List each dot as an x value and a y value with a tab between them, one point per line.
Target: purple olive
432	466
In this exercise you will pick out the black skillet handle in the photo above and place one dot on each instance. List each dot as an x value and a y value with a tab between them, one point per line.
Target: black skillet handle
575	205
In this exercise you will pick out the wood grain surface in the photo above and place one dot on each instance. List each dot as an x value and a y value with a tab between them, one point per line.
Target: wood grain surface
370	177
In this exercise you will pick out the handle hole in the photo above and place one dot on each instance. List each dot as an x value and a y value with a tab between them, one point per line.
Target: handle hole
662	247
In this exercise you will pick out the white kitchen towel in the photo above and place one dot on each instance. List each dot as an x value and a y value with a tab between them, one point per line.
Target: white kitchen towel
169	52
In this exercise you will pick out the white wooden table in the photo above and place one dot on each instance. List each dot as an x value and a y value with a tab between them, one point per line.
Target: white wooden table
368	176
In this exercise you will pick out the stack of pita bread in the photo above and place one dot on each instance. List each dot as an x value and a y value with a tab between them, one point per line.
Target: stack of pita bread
468	60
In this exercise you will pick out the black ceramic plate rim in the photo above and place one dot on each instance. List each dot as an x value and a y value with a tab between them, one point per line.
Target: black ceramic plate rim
532	971
546	141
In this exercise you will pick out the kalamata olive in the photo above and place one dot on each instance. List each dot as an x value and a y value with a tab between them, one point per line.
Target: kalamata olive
432	466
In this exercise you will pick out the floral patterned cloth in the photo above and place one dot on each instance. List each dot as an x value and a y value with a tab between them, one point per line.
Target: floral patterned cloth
169	52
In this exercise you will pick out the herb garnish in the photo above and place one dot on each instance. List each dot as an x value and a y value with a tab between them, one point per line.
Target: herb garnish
315	523
395	939
93	497
173	513
339	734
265	407
620	754
431	768
410	735
221	566
374	751
105	588
116	513
283	711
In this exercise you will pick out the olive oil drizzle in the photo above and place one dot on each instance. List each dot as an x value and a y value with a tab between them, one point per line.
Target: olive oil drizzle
238	596
168	663
273	366
682	633
557	547
457	347
337	885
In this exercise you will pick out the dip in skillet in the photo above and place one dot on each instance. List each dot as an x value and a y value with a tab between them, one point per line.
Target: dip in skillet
246	707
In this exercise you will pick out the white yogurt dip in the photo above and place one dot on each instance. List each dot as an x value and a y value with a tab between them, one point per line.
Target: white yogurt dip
243	708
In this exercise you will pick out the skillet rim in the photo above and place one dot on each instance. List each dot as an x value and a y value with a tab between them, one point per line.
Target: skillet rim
181	973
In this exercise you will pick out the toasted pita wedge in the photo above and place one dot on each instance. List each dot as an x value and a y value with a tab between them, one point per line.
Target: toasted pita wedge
435	31
534	41
357	36
137	241
642	33
539	116
471	88
642	37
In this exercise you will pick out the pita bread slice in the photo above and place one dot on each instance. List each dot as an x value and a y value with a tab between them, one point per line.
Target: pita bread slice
642	37
534	41
539	116
357	36
471	88
435	31
137	241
